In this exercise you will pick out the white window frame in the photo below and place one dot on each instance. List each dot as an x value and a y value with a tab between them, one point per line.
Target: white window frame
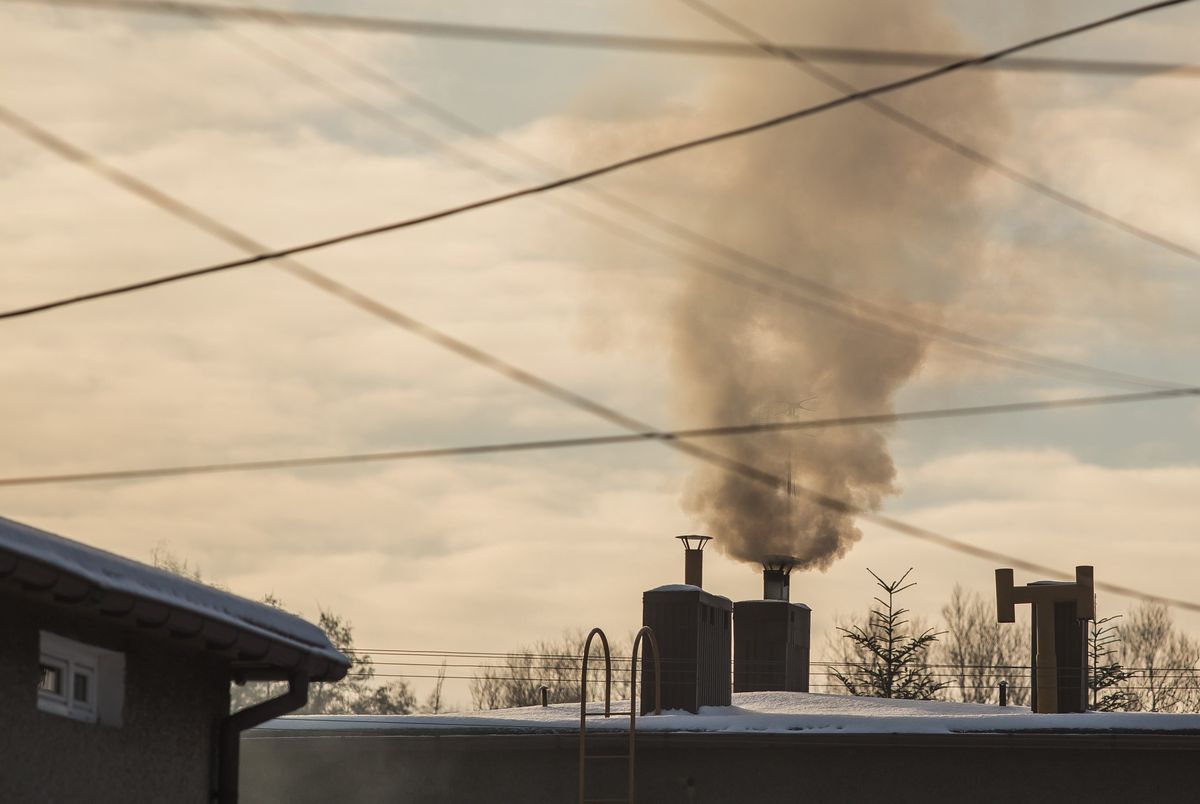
104	671
64	676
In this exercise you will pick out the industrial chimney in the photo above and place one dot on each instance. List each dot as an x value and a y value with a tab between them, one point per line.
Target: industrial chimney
693	558
693	628
777	571
772	636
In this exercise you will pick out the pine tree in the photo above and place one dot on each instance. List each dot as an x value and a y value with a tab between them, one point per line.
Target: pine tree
1107	673
892	662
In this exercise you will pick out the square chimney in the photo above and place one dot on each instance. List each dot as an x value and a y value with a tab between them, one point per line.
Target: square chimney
694	633
772	636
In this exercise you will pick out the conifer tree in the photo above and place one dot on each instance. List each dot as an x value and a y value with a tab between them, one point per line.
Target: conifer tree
1107	674
891	659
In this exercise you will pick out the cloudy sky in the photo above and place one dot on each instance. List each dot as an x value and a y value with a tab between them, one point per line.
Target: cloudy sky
486	553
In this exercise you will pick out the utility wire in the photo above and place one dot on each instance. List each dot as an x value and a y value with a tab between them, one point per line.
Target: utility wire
781	285
610	41
391	315
553	390
863	314
933	135
591	441
611	167
362	106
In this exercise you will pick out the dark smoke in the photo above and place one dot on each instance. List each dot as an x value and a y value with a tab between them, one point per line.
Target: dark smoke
849	199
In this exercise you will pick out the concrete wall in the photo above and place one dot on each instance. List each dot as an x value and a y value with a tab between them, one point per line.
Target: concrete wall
163	751
725	769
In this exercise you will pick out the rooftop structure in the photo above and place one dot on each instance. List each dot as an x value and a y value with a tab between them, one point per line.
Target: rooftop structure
118	665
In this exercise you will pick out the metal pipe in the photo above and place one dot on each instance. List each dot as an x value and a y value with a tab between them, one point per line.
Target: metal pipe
648	632
232	726
693	568
693	558
776	577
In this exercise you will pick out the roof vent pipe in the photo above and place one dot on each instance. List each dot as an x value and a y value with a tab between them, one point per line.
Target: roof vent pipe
776	577
693	558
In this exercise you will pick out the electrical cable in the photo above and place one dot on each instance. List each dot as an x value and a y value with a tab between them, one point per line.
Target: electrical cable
867	315
391	315
962	149
590	441
607	41
579	401
15	122
885	321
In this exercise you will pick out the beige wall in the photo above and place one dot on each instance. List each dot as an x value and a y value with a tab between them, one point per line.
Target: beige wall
163	751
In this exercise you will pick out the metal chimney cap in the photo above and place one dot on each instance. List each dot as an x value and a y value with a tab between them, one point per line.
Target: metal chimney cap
694	541
779	563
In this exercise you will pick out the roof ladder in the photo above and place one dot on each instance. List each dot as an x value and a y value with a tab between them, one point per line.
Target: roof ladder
584	757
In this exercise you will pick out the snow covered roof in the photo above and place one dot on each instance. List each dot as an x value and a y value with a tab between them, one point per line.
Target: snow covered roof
786	602
687	587
260	641
770	712
676	587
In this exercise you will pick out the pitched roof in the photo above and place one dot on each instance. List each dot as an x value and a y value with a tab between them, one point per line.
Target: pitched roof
259	641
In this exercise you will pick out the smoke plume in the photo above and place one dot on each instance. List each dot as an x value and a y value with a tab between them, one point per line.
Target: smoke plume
849	199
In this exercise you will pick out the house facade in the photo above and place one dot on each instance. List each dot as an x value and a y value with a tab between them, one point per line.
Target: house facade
114	676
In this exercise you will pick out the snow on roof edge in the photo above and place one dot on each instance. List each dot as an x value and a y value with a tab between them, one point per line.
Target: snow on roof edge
764	600
795	713
687	587
115	573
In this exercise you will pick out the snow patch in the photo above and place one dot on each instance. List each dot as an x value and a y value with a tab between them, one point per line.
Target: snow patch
769	712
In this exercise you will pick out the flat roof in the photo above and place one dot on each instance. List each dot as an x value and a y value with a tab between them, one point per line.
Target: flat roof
778	713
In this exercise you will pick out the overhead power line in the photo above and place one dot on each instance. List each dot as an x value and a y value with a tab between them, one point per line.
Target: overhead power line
554	391
237	239
777	284
924	534
591	441
564	395
611	41
933	135
15	122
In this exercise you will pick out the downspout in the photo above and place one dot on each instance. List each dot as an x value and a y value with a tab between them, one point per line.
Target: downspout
233	725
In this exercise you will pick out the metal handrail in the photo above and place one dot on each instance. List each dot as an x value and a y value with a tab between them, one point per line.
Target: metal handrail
644	631
583	697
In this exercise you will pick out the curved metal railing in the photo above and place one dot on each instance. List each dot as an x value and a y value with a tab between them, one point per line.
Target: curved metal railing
647	634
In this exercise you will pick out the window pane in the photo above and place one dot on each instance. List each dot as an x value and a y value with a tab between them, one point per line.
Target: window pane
82	688
52	679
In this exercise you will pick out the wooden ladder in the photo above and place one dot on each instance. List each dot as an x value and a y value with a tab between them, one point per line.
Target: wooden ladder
584	757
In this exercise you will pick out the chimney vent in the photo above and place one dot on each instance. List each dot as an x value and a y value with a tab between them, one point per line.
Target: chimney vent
693	558
776	577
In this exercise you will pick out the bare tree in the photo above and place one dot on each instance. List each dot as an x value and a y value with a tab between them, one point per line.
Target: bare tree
1162	662
893	659
555	664
433	704
981	652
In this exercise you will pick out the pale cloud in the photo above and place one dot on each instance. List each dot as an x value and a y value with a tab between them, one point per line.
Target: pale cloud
487	553
1135	524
